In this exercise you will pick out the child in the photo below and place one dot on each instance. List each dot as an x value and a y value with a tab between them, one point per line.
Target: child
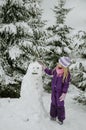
60	84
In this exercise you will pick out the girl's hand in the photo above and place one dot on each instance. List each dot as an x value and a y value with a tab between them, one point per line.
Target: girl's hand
62	97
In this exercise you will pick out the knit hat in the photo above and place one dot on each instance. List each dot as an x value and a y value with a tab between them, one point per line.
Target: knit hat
65	61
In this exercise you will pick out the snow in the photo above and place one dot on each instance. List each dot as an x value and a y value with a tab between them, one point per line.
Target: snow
2	2
66	49
26	43
34	73
19	2
53	38
14	52
76	64
83	61
60	26
58	50
1	71
25	27
11	28
8	80
31	110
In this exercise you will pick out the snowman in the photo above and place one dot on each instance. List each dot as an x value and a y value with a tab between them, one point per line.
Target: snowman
32	82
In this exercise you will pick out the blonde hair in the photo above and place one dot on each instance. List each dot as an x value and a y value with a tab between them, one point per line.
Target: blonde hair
66	71
65	75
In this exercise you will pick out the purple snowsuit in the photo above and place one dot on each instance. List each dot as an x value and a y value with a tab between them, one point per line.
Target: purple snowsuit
58	87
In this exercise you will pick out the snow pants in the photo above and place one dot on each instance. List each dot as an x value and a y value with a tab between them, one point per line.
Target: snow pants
57	108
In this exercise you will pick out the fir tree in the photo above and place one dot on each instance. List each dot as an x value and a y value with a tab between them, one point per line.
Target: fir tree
13	17
37	24
14	11
78	69
21	36
59	39
79	61
82	46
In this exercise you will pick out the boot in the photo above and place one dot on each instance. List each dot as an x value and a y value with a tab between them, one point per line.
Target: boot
53	118
59	121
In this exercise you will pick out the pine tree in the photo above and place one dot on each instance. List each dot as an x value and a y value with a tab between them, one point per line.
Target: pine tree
13	17
14	27
23	27
78	68
38	39
14	11
59	40
79	64
21	37
82	46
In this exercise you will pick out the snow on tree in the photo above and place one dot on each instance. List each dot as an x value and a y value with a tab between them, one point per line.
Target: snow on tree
78	69
14	26
20	29
37	25
82	46
59	38
13	11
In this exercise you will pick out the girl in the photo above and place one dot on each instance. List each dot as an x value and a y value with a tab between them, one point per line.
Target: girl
60	84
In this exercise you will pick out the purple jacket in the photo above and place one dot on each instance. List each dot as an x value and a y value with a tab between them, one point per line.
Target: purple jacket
58	87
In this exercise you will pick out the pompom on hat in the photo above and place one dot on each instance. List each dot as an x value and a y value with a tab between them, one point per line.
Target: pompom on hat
65	61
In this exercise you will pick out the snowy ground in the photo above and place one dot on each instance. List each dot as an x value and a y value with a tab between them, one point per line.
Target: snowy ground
31	111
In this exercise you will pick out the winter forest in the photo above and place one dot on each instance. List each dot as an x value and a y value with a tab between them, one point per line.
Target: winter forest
26	37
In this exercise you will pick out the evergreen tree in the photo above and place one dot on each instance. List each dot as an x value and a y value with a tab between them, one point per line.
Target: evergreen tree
82	46
78	69
21	37
80	60
14	17
14	11
22	25
38	39
59	41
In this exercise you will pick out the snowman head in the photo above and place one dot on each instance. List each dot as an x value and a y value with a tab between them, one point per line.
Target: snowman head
35	68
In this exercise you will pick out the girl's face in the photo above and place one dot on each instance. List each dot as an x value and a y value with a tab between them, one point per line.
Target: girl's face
60	66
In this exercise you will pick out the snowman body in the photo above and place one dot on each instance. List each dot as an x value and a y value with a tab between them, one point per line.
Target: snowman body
32	82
